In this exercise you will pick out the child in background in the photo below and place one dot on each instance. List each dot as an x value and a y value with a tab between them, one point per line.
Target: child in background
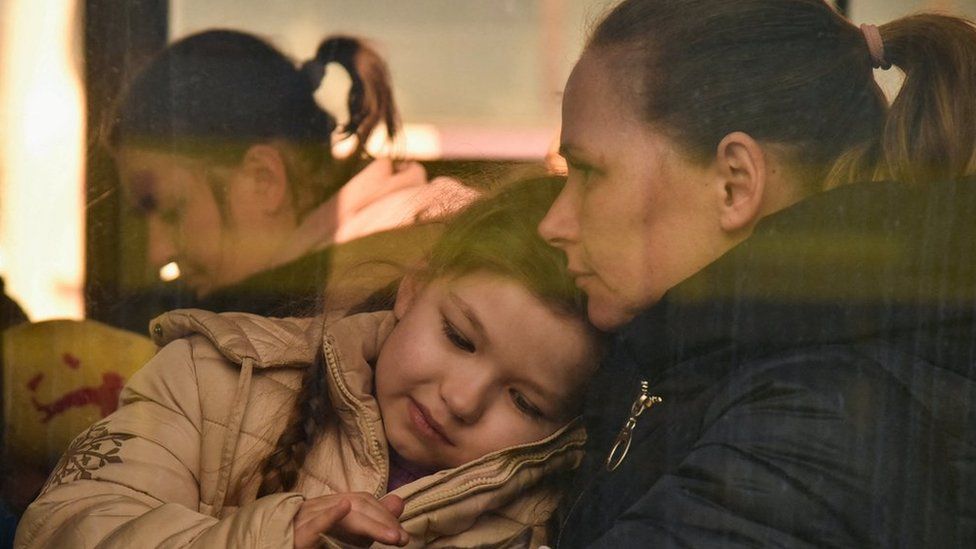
448	421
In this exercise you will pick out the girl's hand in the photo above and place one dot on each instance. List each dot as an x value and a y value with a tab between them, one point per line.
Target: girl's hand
357	518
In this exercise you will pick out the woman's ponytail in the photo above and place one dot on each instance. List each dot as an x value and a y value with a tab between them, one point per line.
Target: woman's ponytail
370	96
930	130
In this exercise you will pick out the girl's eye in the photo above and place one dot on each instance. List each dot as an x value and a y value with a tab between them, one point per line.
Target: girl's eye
456	338
524	405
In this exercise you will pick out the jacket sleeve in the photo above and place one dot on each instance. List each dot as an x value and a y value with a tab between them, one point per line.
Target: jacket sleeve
132	479
801	453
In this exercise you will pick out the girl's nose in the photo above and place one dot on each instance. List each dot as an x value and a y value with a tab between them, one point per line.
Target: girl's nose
162	245
560	226
466	394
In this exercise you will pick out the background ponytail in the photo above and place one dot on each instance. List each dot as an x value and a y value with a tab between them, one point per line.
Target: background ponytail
214	94
370	96
930	130
795	73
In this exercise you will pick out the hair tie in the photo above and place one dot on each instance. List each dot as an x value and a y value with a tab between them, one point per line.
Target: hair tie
875	47
314	71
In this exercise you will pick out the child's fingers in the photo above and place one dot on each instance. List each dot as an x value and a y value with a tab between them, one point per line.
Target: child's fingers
392	503
368	519
312	525
375	510
362	528
314	509
330	516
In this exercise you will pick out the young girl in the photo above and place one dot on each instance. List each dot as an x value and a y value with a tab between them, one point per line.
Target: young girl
457	405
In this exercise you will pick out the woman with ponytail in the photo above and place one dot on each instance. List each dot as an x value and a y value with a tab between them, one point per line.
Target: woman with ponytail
221	146
789	263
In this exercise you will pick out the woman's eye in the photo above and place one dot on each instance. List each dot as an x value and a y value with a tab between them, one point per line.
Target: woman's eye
457	339
578	167
144	205
169	216
583	171
524	405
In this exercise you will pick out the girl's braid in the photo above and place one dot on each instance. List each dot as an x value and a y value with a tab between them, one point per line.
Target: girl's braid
280	471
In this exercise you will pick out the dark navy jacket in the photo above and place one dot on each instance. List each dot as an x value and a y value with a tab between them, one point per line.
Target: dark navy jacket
817	383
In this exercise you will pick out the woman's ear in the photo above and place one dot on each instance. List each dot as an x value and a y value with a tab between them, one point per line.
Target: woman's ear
265	169
741	164
410	287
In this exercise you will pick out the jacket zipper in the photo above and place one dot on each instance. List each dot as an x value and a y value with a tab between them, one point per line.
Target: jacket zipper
374	449
483	477
621	445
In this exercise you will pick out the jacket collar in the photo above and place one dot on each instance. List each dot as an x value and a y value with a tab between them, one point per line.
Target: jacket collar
238	336
350	344
862	261
350	347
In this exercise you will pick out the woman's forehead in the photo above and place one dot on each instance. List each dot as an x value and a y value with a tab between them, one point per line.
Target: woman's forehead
594	107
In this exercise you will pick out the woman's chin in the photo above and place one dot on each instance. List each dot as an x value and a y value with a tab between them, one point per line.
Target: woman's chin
607	317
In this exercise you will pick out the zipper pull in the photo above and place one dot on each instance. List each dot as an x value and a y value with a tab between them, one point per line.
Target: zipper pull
622	443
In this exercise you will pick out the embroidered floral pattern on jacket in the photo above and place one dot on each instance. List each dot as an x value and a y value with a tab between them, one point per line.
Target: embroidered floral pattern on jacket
91	451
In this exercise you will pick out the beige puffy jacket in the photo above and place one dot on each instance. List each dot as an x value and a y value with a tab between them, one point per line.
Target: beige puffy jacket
176	465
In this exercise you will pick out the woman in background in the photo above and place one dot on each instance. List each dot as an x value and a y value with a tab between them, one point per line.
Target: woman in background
221	146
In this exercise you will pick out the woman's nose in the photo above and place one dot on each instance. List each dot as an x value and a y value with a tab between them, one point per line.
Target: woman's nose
466	394
560	226
162	245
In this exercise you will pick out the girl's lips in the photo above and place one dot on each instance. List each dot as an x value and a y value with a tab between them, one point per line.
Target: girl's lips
425	424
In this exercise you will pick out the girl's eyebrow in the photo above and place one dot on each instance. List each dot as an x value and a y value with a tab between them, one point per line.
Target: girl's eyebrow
552	397
468	313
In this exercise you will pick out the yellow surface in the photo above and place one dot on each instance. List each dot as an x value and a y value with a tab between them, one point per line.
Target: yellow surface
59	377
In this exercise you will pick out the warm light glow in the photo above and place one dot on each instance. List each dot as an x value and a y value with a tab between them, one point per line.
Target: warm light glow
169	272
418	141
431	142
415	141
41	157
